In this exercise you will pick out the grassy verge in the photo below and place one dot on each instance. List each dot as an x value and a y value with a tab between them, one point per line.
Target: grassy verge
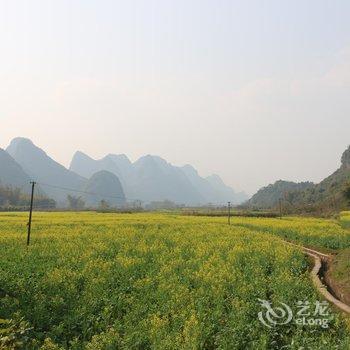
338	275
345	219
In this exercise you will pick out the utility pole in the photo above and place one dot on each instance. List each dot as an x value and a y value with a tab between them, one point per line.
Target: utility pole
33	183
280	206
229	212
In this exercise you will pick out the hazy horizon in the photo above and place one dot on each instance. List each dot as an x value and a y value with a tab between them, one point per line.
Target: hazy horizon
254	92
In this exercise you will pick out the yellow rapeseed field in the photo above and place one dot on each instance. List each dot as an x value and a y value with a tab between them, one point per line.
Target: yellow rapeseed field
158	281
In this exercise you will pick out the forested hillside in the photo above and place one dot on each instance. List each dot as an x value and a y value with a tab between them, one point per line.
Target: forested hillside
331	194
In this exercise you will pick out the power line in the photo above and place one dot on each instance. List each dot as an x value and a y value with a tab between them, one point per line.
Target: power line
90	193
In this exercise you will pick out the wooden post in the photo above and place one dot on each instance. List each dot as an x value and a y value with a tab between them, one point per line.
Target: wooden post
30	212
229	213
280	205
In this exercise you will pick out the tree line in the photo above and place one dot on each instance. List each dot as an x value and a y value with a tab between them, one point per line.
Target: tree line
12	198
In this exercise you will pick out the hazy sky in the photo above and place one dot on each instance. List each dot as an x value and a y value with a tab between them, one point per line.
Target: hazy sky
252	90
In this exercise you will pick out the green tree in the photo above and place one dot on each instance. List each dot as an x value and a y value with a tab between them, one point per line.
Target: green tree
75	202
104	205
346	192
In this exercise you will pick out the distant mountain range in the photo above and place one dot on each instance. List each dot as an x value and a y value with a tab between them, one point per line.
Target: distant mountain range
150	178
41	168
327	193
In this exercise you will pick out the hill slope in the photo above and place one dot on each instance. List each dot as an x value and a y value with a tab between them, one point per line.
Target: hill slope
224	192
326	194
269	196
11	173
330	190
156	180
40	167
118	165
105	186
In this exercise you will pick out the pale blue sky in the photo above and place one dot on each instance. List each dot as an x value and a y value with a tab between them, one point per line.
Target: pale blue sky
252	90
